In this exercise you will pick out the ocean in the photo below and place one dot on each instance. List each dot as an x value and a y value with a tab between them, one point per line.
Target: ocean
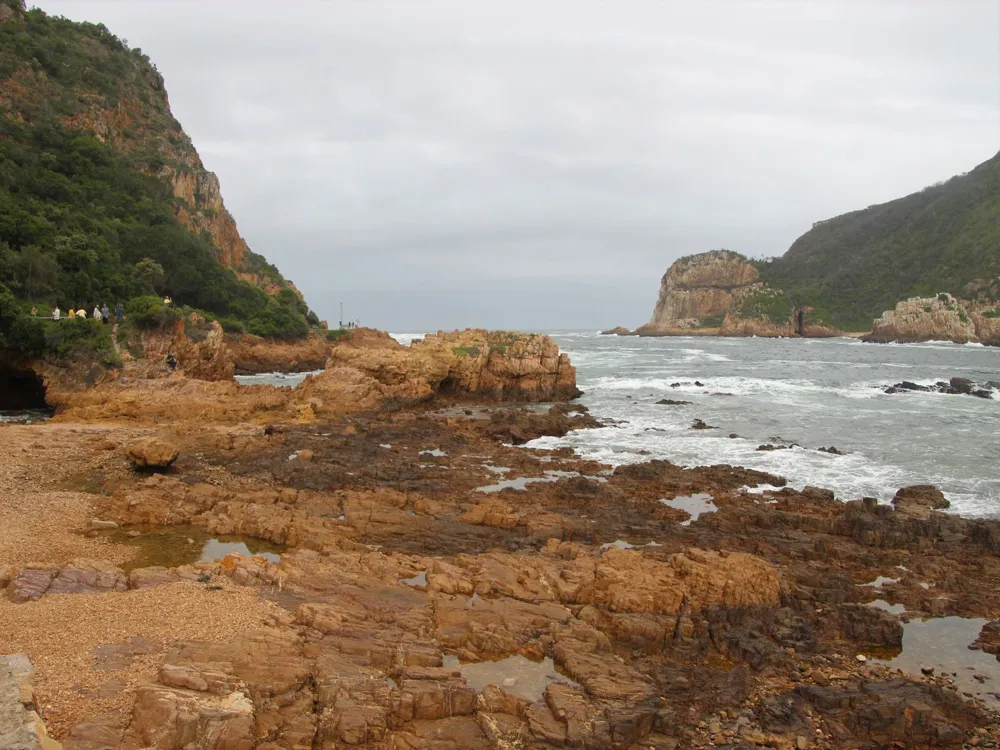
809	393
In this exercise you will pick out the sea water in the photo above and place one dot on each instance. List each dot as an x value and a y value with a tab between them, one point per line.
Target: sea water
809	393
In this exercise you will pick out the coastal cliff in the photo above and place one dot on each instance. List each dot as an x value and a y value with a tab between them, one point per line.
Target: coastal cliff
105	195
720	293
700	290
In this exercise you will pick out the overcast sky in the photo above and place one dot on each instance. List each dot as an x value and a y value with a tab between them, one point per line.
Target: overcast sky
540	164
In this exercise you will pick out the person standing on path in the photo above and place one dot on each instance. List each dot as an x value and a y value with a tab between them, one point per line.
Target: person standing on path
119	311
105	313
97	313
55	313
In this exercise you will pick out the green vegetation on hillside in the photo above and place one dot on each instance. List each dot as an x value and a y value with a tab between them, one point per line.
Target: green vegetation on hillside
769	304
945	238
81	223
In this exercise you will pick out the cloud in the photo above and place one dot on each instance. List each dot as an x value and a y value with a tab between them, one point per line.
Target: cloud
533	165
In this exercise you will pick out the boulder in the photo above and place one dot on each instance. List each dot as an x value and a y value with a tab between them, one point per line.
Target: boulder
152	453
919	500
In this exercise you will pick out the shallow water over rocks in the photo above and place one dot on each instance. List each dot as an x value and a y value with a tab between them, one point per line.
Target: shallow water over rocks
170	546
943	643
518	674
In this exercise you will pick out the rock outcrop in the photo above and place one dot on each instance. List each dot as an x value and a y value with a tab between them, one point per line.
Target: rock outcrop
21	728
367	371
698	291
486	365
253	354
152	453
939	318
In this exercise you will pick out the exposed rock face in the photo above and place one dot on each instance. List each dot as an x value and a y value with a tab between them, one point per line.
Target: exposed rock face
365	372
152	453
940	318
493	366
734	325
198	345
701	286
81	576
252	354
20	726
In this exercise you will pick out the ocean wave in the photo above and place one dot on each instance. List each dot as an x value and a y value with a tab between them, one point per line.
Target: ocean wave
850	476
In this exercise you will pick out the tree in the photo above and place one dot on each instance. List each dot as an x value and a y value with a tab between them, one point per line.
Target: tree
147	276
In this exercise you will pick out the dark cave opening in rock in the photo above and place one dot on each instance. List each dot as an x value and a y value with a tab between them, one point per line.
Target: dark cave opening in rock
21	390
800	322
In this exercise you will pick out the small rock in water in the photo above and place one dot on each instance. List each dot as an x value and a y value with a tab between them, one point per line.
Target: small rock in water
700	425
99	524
861	658
832	450
510	682
133	534
927	670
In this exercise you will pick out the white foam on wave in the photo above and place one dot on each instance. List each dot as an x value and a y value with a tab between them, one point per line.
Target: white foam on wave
850	476
408	338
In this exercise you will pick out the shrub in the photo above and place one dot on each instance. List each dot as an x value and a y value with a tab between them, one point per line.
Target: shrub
336	334
149	312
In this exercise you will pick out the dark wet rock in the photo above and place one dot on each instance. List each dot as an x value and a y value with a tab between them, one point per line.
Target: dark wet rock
770	447
961	385
699	424
671	402
989	638
517	426
832	450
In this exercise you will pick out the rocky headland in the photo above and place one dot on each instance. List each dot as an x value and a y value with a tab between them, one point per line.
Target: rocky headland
423	583
721	293
939	318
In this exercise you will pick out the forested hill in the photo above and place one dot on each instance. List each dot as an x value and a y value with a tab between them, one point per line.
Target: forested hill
945	238
102	195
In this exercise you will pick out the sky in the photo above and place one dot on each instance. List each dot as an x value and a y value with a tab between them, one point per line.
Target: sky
538	165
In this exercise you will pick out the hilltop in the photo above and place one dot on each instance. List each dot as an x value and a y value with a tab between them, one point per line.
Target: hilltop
937	248
103	197
942	239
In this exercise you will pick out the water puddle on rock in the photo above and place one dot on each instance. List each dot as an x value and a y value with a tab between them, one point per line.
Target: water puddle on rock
516	674
521	483
436	452
420	579
893	609
880	581
170	546
693	505
943	643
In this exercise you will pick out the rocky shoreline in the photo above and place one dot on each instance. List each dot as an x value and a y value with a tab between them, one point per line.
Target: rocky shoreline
439	588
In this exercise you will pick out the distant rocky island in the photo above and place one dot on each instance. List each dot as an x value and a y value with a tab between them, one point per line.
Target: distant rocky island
920	268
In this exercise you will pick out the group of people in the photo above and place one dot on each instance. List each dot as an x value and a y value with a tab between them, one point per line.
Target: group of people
101	313
351	324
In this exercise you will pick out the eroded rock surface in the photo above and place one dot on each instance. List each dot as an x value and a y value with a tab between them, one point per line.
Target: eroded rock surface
701	286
